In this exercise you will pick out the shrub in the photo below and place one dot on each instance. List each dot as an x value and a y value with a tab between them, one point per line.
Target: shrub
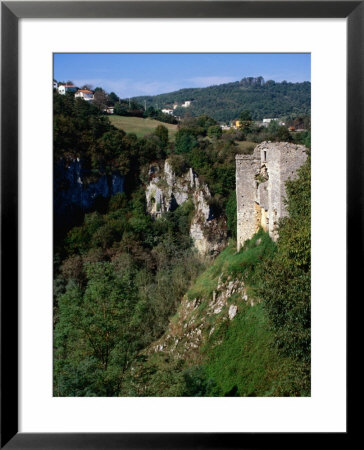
286	284
179	164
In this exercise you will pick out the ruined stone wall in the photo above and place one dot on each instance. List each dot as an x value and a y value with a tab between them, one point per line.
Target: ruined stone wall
246	191
260	186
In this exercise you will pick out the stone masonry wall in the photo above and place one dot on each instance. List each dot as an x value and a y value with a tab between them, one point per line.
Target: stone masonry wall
246	169
260	186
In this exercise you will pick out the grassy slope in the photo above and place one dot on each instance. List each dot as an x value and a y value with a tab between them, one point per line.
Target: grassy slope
140	126
246	362
233	263
240	356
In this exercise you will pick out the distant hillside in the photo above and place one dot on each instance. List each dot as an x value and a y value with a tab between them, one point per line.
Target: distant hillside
225	101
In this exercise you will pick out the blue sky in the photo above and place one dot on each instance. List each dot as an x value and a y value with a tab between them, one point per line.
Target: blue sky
130	75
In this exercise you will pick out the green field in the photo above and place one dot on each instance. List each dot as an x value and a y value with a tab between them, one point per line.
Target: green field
140	126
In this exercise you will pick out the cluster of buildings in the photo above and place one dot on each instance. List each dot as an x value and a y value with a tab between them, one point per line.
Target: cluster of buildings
85	94
236	124
264	123
88	95
170	111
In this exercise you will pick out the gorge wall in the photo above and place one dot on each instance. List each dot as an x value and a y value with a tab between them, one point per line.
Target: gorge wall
76	190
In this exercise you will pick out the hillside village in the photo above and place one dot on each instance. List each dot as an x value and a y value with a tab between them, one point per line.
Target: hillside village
108	103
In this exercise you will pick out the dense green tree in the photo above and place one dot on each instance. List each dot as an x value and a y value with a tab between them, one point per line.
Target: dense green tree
162	132
214	131
231	214
121	109
185	141
151	112
283	134
96	330
100	99
204	121
286	282
224	102
245	116
113	98
178	163
76	126
112	152
273	127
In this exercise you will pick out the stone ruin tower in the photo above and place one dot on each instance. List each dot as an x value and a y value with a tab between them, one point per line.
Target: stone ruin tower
260	186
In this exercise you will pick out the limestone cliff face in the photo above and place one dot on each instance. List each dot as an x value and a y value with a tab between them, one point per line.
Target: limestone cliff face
208	233
166	191
73	190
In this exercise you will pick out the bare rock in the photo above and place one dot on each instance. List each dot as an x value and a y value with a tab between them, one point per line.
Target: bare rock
232	311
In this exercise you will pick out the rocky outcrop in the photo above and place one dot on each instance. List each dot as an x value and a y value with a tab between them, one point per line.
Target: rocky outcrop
166	191
74	190
198	319
208	233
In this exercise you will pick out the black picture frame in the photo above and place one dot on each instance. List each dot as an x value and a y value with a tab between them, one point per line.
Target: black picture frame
11	12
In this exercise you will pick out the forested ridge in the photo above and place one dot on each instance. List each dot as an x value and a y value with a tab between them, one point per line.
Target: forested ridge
224	102
120	275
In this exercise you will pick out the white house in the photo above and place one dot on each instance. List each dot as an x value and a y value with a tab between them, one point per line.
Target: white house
55	84
108	109
266	122
186	104
168	111
63	88
85	94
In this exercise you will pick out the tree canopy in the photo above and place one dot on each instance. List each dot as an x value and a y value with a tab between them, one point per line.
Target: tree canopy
225	102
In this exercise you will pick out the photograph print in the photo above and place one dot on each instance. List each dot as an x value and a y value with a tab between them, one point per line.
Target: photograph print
182	225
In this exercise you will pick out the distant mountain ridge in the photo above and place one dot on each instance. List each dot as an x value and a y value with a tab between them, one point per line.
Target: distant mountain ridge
225	102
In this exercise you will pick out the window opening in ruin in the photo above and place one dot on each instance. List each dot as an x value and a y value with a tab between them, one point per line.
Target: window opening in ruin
265	156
